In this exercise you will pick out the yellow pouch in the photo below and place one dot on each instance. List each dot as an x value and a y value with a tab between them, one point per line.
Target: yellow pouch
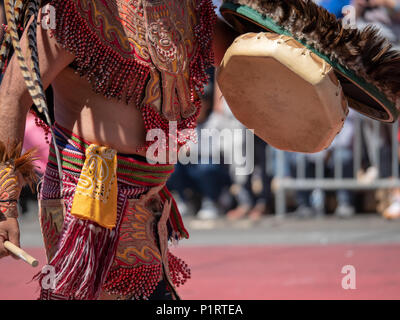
95	197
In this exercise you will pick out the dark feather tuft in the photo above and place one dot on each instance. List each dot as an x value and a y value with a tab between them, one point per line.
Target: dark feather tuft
11	153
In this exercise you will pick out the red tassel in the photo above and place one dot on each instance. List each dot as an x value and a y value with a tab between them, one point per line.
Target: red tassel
139	281
82	261
179	270
41	124
154	120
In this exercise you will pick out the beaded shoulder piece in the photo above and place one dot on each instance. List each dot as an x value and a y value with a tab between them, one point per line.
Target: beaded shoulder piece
151	52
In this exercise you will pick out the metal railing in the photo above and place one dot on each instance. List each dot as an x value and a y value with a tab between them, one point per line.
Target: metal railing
366	137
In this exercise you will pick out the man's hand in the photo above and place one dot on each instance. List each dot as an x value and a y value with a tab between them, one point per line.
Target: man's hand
9	230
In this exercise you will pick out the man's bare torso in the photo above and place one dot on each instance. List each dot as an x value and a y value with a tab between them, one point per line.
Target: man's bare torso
99	120
93	117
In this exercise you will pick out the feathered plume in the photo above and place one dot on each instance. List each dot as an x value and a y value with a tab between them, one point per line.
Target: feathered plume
11	154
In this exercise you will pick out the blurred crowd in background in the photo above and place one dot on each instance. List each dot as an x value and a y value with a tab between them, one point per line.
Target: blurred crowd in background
211	191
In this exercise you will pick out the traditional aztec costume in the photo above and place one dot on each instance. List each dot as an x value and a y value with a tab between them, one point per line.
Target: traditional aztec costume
107	222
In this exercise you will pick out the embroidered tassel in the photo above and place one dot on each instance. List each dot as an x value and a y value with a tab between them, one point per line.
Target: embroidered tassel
140	281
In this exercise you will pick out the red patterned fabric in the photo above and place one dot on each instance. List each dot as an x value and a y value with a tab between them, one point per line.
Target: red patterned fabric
85	252
154	53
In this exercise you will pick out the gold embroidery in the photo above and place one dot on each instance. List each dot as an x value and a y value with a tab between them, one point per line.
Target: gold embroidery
170	39
137	244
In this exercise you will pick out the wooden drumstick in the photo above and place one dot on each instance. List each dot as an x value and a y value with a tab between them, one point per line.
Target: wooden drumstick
21	253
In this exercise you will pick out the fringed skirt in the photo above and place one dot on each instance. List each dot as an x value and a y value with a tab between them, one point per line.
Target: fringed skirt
130	261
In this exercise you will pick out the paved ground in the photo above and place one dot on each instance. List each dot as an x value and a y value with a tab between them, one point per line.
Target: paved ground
362	229
273	259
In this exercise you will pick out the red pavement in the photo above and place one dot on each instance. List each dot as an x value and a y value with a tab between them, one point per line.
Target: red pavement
259	272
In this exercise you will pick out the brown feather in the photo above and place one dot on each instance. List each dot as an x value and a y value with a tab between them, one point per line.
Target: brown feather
11	154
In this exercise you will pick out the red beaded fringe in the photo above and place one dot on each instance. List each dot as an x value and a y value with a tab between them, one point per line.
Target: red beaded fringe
153	120
85	253
41	124
139	281
204	57
110	74
113	75
179	270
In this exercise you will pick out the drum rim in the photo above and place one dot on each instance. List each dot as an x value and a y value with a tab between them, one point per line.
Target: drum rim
389	107
237	110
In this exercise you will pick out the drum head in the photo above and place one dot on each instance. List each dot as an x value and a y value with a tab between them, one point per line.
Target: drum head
284	109
362	96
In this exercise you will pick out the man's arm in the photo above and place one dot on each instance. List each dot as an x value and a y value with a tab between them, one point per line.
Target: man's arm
15	102
15	99
222	39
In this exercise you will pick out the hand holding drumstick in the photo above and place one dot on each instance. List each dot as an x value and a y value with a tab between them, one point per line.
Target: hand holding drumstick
9	230
21	253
